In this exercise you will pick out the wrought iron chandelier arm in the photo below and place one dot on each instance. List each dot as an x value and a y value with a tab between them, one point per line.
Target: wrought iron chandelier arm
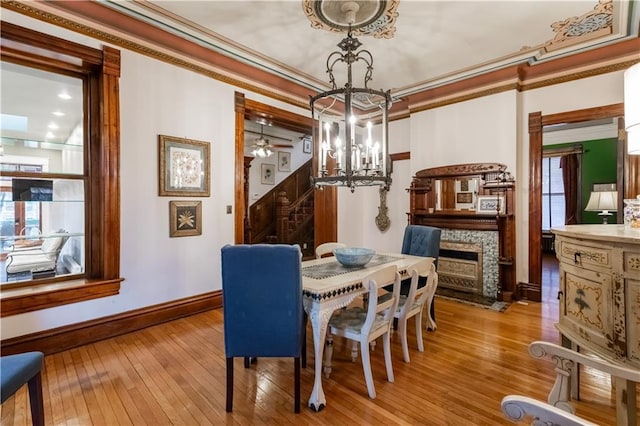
366	57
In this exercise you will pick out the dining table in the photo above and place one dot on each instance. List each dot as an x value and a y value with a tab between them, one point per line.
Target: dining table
327	285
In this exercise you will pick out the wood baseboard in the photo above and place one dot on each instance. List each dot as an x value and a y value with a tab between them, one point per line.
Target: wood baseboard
528	291
71	336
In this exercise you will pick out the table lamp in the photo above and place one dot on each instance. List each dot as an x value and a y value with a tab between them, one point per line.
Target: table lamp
603	202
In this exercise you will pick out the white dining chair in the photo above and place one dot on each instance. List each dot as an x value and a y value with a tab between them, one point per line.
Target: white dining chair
365	326
327	248
412	304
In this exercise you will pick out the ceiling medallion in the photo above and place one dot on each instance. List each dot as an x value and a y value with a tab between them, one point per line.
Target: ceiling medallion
376	18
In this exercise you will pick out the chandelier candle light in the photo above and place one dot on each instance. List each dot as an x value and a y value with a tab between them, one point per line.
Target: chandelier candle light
360	153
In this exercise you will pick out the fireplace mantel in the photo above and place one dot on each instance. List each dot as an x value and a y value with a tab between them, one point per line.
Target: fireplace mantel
457	196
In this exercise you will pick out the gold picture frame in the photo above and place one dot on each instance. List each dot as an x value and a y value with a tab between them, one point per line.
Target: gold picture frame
185	218
184	167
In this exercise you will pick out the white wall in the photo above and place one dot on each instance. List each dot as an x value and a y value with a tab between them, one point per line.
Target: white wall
357	211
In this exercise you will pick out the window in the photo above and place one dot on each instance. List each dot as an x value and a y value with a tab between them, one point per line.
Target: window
43	224
59	183
553	204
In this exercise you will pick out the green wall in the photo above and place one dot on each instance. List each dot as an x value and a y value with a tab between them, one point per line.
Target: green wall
599	165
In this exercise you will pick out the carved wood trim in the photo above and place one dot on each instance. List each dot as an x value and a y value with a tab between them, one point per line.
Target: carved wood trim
74	335
461	170
240	184
399	156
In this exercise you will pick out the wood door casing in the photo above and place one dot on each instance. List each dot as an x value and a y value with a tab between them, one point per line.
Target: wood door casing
325	202
532	289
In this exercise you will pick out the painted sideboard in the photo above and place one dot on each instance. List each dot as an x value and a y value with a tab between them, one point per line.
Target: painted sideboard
600	290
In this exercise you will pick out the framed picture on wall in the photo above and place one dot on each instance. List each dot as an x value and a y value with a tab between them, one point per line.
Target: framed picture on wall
306	145
185	218
284	161
488	204
268	176
184	167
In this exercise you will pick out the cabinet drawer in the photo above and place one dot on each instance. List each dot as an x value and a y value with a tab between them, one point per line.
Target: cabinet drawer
585	256
585	307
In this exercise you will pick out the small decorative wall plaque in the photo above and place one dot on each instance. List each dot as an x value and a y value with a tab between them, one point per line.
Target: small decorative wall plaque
185	218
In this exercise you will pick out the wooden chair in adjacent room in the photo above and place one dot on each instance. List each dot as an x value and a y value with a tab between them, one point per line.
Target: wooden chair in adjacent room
263	313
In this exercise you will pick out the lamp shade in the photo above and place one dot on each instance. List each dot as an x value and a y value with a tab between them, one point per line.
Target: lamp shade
603	201
632	108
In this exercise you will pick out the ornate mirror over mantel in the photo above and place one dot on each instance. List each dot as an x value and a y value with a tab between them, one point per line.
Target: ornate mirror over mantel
473	204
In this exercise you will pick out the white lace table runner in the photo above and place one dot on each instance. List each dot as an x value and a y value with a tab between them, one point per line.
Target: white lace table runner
334	268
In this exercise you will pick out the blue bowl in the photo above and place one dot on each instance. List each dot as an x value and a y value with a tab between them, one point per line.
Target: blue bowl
353	256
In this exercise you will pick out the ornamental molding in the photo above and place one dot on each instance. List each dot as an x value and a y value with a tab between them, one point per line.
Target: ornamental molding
595	23
379	21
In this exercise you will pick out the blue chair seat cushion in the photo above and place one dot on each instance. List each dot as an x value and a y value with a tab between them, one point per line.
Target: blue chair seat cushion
17	370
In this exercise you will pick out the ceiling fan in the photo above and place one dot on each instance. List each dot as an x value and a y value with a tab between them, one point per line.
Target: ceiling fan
262	147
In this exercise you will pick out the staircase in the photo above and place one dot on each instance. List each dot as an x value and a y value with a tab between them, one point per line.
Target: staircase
285	214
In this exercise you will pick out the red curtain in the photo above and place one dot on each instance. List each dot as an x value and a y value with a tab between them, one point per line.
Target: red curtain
569	165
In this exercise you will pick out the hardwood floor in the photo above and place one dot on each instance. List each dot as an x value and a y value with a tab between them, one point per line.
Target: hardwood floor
174	373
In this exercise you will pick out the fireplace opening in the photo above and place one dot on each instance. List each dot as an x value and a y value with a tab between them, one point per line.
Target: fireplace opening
460	266
458	254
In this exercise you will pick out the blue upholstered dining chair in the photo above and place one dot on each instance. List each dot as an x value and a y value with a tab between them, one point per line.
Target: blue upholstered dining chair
420	240
18	370
263	313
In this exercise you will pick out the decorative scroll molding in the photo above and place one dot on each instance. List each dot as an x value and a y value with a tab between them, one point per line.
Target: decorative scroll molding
595	23
461	170
379	21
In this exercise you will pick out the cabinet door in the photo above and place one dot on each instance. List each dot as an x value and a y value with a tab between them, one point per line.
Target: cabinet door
633	320
586	308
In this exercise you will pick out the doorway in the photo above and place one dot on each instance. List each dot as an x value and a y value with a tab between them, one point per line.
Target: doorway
325	201
628	167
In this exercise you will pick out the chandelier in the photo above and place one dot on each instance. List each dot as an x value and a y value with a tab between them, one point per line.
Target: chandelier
352	151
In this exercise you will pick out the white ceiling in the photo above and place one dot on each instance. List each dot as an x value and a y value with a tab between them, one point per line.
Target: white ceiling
434	41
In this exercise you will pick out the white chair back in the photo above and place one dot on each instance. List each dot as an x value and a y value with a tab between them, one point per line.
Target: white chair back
327	248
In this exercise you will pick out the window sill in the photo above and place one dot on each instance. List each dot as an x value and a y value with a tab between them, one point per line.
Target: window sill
33	298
